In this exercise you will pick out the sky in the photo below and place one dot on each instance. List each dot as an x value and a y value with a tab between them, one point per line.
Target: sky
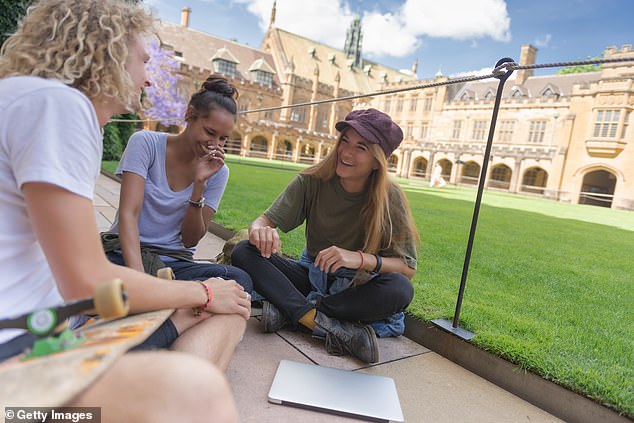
455	37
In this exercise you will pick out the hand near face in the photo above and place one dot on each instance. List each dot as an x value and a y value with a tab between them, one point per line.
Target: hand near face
332	258
209	164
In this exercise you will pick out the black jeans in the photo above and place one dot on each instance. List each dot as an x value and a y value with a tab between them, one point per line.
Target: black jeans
286	284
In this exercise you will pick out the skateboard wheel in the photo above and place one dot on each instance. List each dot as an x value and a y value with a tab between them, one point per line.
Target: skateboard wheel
42	322
165	273
110	299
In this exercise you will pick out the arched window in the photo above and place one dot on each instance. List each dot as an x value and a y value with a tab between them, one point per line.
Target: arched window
446	168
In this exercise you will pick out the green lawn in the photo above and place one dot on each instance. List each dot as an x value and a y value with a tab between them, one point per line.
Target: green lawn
550	287
550	284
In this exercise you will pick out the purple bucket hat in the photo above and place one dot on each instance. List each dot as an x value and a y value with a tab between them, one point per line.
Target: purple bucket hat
375	127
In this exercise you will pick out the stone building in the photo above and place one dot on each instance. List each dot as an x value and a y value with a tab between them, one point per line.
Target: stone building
558	136
287	69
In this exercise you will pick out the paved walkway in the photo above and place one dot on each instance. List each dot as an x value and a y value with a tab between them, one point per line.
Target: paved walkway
430	387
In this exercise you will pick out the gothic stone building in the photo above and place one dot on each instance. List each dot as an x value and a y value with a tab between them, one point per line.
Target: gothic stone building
559	136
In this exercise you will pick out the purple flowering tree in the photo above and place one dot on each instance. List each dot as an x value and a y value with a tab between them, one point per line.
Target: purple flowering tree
167	105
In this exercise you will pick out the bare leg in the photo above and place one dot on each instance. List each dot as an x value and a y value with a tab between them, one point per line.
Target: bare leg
213	339
160	387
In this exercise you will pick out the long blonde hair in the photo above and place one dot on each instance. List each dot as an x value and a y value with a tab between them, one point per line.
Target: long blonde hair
387	216
83	43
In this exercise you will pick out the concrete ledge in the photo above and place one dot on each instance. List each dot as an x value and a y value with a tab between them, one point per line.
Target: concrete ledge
549	396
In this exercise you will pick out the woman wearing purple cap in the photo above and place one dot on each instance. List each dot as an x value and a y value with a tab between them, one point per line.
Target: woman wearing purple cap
353	280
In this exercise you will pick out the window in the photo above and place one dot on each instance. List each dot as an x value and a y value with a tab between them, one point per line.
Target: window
479	129
322	117
428	102
399	104
264	78
244	104
413	104
457	127
424	130
489	95
298	114
606	123
388	105
409	130
506	130
517	93
536	131
225	67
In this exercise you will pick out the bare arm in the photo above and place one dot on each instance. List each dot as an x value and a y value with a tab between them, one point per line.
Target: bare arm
263	235
130	204
332	258
196	220
65	227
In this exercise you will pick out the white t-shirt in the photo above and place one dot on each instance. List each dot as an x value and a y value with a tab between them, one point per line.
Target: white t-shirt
50	133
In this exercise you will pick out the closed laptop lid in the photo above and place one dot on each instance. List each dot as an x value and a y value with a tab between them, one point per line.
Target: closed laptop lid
336	391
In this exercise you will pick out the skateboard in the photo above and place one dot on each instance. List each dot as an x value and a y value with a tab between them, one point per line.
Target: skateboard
70	361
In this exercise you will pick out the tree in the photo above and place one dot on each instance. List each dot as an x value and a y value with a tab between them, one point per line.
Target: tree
581	68
167	104
12	12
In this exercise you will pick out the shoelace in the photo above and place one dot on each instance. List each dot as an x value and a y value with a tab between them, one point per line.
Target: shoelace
334	346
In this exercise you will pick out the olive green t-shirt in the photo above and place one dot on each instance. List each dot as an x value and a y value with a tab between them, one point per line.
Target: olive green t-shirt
333	216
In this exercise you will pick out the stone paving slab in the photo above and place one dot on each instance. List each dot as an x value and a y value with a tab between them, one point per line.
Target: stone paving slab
434	389
390	349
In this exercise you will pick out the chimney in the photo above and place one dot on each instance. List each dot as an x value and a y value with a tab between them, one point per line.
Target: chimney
185	16
415	67
527	57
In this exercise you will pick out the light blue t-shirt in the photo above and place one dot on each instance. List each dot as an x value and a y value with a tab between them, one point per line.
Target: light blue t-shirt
163	210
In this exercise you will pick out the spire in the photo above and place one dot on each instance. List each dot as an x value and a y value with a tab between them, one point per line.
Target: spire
415	66
273	10
354	37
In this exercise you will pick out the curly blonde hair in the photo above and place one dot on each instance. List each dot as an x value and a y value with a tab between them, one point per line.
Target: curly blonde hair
83	43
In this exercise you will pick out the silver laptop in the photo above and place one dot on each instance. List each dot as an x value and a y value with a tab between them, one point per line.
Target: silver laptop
343	392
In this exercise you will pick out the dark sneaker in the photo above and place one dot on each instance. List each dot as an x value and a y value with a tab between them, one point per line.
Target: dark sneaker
341	336
272	318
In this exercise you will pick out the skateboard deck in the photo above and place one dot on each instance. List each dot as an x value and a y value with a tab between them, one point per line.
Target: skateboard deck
54	379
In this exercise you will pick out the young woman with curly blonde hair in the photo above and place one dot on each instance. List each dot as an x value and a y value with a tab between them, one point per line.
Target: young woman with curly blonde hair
71	66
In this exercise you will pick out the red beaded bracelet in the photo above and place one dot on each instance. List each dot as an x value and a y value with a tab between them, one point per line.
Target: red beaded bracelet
361	265
198	311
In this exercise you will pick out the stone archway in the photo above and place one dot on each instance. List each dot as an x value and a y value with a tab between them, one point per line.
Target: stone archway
470	173
259	147
500	177
597	188
234	143
392	163
534	180
446	168
419	167
284	151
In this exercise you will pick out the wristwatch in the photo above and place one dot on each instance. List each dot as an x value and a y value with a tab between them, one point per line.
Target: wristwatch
198	204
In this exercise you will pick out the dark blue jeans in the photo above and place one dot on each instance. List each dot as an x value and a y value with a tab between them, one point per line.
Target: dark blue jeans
188	271
285	284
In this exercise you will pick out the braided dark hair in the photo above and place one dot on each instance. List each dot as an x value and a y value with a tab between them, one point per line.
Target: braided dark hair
215	92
